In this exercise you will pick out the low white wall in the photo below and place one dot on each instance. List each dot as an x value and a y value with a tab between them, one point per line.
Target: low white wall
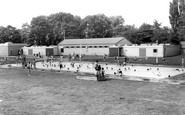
133	51
41	50
150	53
130	51
25	50
3	50
86	51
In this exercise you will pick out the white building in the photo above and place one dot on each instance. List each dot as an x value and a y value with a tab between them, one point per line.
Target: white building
10	49
40	50
94	46
154	50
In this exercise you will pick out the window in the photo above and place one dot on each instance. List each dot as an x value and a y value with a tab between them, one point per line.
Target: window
154	50
61	50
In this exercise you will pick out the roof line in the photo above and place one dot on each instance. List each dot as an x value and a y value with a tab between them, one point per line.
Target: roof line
120	40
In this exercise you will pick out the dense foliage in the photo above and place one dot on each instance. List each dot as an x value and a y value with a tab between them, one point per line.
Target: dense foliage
177	20
52	29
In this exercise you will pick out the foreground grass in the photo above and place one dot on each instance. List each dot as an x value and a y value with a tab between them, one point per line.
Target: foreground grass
49	93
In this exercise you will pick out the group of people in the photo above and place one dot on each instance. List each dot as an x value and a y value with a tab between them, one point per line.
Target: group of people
100	72
28	64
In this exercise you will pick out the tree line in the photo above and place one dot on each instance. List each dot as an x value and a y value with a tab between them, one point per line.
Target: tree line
52	29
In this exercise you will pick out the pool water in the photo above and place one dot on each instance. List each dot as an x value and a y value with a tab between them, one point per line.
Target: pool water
110	69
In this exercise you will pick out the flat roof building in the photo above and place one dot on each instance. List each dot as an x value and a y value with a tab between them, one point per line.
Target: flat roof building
10	49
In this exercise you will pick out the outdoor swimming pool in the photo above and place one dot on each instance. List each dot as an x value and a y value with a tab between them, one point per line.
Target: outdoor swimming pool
147	71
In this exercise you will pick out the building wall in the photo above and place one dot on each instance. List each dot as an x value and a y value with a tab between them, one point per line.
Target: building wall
183	47
150	51
41	50
86	51
59	50
3	50
130	51
13	49
25	50
162	50
134	51
172	50
55	50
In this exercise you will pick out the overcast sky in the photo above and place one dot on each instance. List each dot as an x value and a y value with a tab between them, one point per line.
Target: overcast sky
17	12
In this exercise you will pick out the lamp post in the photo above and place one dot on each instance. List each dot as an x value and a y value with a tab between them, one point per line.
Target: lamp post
87	30
64	34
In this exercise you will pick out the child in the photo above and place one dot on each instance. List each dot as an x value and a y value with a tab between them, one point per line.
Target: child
120	72
102	74
60	65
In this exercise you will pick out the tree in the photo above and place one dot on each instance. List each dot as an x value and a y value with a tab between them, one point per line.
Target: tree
96	26
129	32
156	31
117	25
145	33
160	34
176	18
9	34
63	23
39	31
25	32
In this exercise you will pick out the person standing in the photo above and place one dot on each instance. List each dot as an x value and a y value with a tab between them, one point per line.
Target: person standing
23	61
97	68
102	74
29	68
34	64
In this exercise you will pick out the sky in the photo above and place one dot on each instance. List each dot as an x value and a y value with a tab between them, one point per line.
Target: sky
137	12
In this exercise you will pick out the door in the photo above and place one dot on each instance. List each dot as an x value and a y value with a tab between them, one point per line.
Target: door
49	51
11	52
142	52
30	51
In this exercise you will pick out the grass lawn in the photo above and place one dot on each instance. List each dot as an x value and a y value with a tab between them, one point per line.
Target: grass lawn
51	93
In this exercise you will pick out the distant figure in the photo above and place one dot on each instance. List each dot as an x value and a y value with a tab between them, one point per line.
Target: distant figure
69	57
34	63
135	59
163	59
23	61
119	72
102	78
115	58
105	56
102	72
124	63
98	69
61	58
29	68
60	65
